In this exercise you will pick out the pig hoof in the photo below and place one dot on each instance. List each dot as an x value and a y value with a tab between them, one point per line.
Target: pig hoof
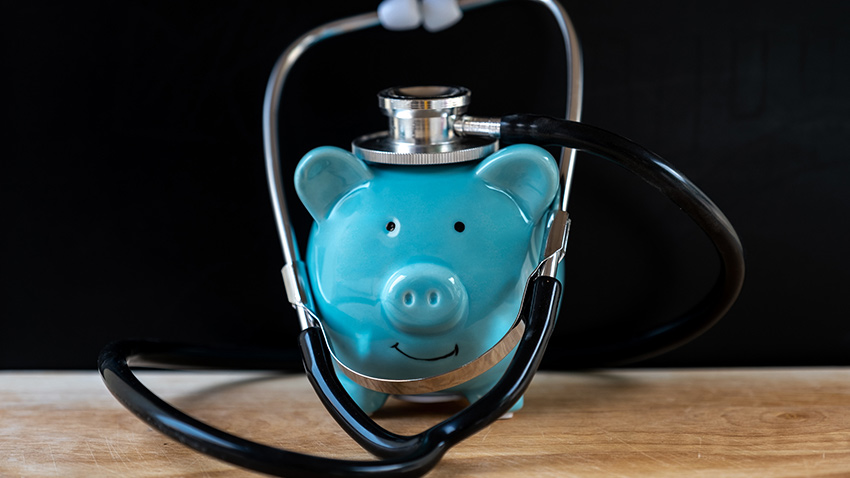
517	406
368	400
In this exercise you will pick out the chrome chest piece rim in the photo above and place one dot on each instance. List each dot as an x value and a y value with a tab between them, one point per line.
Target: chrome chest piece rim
421	129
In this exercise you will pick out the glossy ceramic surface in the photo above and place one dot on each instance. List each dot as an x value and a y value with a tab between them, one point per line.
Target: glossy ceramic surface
417	270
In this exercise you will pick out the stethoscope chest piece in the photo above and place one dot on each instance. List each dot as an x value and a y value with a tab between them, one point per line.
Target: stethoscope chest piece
421	129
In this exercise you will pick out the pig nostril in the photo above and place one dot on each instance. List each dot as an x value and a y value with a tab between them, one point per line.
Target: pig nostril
423	298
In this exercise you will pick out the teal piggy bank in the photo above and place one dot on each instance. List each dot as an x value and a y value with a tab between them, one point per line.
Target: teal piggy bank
418	270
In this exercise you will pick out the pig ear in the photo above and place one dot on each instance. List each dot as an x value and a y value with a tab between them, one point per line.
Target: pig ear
325	175
527	174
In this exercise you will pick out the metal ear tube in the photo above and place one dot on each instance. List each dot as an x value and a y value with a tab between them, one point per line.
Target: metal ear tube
297	293
407	290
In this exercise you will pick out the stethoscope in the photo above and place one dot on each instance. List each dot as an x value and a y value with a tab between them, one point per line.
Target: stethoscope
414	455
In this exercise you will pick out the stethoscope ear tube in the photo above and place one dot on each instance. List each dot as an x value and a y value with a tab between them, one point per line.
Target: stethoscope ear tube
631	345
403	456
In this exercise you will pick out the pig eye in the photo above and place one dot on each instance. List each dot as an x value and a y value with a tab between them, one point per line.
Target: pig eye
459	226
392	228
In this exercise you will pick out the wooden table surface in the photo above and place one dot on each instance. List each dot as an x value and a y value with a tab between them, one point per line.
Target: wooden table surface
637	423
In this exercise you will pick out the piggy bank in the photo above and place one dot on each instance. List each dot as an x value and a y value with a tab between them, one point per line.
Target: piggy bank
417	270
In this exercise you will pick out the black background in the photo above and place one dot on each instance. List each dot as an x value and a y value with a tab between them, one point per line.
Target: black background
134	198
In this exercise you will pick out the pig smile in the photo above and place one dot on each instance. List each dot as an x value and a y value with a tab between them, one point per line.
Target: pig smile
453	352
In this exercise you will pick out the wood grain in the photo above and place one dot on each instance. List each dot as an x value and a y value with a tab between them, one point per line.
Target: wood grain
640	423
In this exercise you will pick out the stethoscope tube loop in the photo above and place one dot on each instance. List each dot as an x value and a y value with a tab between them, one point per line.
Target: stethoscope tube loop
629	345
118	377
415	455
402	456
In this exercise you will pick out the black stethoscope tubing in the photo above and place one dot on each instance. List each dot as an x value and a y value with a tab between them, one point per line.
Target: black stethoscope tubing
415	455
401	455
629	345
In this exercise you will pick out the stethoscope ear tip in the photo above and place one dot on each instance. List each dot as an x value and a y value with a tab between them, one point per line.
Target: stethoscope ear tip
434	15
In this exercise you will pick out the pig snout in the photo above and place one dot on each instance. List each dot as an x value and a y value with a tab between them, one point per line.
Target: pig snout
424	298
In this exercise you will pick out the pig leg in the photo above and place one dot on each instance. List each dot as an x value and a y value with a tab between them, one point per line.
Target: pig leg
368	400
475	394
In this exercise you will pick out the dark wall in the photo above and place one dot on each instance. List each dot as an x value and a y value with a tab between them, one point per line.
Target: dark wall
134	194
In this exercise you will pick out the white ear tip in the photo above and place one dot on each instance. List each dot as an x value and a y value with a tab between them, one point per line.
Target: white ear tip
440	14
399	14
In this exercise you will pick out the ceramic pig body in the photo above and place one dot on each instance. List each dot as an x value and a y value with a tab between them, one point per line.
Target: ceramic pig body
417	270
